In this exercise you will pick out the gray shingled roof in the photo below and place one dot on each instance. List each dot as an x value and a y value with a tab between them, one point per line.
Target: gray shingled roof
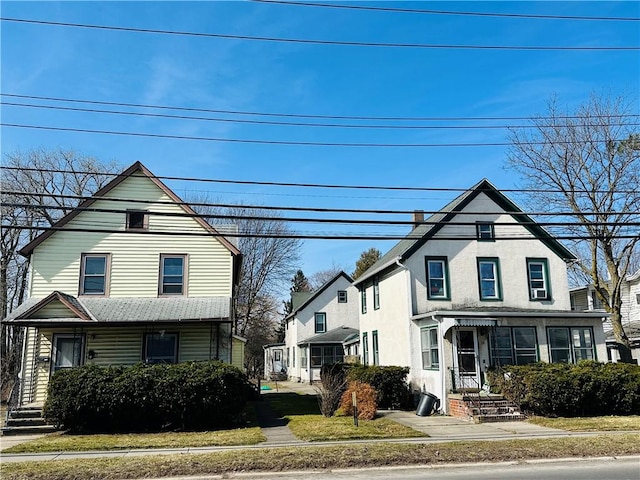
337	335
110	310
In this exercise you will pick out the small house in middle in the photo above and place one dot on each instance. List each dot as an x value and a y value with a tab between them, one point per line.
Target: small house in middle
321	326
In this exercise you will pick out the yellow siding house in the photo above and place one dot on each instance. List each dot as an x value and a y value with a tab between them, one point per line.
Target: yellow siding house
131	275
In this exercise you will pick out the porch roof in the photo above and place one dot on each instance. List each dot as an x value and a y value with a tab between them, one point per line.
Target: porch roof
95	311
337	335
508	312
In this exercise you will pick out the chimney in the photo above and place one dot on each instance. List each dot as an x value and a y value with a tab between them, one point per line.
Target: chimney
418	217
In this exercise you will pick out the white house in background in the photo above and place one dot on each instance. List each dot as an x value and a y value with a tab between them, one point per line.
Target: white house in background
322	324
274	366
131	275
584	299
477	285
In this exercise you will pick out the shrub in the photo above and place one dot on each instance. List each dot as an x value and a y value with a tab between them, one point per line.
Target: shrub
390	384
366	401
332	384
184	396
586	389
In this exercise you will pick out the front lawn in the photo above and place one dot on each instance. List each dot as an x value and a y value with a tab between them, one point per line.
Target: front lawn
590	424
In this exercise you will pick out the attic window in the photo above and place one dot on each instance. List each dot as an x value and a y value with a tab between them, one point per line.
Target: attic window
137	220
485	231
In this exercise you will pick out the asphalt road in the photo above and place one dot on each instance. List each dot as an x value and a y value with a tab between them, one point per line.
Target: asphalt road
585	469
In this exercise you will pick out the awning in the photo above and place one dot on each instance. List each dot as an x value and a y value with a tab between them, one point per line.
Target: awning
448	323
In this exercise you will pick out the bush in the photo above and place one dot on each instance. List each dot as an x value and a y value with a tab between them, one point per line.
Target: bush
389	382
184	396
558	389
332	384
365	399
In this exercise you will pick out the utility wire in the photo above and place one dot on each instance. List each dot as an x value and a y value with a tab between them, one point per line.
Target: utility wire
295	124
278	142
299	115
451	12
227	216
305	185
323	42
299	209
293	235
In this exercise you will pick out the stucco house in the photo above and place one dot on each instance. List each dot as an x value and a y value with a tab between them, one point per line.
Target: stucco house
320	327
131	275
584	299
477	285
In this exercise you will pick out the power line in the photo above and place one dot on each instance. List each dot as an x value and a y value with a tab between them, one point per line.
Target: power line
295	235
296	124
298	209
346	221
322	42
279	142
301	185
450	12
299	115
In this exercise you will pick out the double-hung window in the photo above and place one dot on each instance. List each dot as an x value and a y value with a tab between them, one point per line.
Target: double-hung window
365	349
485	231
161	347
363	299
489	279
513	345
173	274
538	275
94	274
376	294
570	344
437	278
320	319
376	353
429	345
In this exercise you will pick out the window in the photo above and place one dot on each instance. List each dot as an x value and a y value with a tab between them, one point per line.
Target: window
376	294
342	296
485	231
137	220
538	279
429	341
514	346
303	357
365	349
374	340
321	322
93	273
363	299
277	356
68	351
293	359
489	279
172	274
161	347
570	345
327	354
288	356
437	278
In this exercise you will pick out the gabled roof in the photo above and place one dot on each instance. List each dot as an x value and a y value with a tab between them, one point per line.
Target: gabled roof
133	169
337	335
424	232
318	292
101	310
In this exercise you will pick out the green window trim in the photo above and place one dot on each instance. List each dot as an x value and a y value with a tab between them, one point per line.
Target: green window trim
514	345
376	352
571	344
320	322
376	294
485	280
437	276
429	347
485	232
538	279
363	299
365	349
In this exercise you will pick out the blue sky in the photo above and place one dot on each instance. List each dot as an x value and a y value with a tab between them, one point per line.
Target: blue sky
293	78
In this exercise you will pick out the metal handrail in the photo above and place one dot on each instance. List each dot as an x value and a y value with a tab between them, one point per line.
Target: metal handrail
478	405
13	402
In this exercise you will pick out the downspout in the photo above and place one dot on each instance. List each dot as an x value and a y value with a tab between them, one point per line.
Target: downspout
217	341
443	376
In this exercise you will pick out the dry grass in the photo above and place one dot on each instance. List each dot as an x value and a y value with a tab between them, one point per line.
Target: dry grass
317	457
58	442
316	428
590	424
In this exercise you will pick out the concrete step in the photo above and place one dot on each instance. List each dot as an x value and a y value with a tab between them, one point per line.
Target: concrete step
26	413
26	422
27	430
506	417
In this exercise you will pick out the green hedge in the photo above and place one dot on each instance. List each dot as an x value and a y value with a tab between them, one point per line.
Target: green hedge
558	389
184	396
390	383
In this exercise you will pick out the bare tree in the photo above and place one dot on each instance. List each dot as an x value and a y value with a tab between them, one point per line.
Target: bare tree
587	163
318	279
36	190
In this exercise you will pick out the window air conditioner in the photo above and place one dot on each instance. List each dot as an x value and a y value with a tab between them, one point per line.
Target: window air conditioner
539	293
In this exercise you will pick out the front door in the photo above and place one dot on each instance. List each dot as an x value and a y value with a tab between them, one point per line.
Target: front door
467	368
68	351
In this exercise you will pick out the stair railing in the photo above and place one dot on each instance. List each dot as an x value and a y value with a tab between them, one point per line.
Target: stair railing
13	402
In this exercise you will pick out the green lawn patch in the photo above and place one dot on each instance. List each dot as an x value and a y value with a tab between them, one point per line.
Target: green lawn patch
322	458
590	424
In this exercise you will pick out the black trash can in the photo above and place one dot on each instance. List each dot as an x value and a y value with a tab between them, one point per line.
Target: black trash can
428	404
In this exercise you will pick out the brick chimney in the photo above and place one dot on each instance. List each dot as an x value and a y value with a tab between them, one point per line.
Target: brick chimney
418	218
